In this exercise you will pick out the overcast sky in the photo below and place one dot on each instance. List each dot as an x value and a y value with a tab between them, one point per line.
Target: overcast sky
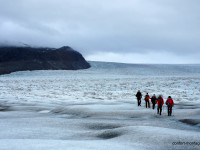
129	31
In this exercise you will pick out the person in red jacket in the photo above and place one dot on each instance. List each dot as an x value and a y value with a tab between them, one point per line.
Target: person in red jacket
170	103
146	98
159	103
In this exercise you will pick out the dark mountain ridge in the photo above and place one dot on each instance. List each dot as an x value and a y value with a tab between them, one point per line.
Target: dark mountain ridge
28	58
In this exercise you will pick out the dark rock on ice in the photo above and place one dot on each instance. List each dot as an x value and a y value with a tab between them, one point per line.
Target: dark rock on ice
109	134
101	126
191	121
4	108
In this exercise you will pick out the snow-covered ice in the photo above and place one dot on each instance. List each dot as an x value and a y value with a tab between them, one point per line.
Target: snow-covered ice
97	108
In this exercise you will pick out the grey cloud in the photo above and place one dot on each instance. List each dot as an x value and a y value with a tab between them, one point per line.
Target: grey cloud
131	26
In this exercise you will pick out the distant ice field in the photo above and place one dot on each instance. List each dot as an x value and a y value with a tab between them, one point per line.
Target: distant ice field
104	81
97	109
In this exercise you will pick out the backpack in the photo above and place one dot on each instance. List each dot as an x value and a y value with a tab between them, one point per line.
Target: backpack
170	102
146	97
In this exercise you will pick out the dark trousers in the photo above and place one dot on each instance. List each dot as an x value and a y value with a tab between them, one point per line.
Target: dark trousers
169	111
159	110
139	101
153	105
147	102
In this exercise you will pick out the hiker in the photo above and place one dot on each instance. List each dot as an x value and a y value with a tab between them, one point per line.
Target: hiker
159	102
139	97
153	101
170	103
146	98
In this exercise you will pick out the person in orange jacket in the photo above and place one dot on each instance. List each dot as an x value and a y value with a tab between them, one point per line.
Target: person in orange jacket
146	98
170	103
159	103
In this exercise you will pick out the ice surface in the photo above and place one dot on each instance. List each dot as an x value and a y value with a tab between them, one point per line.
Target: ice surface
97	109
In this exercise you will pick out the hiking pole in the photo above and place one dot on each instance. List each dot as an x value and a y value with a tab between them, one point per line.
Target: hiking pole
156	109
163	108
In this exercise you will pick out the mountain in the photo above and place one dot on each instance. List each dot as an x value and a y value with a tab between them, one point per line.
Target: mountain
28	58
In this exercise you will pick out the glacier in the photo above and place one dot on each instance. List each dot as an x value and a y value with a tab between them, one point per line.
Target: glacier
97	108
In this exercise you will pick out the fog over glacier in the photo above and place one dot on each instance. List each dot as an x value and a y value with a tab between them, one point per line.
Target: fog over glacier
135	31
